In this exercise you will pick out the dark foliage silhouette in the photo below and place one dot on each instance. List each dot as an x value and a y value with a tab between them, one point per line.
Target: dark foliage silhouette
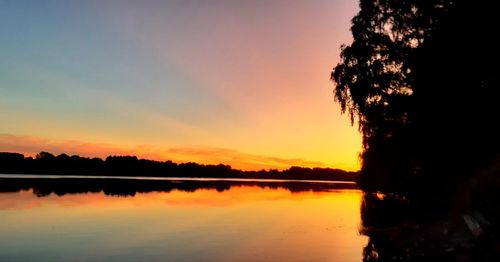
421	78
47	163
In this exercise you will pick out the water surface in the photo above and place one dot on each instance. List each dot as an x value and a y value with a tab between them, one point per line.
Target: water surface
238	222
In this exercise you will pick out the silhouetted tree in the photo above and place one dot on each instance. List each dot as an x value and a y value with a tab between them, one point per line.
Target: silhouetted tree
44	155
404	79
47	163
456	90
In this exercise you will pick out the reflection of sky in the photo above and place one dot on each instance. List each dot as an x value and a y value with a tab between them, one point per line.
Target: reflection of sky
239	75
241	224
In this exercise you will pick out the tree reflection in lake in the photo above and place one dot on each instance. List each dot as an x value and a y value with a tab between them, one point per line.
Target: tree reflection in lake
400	229
137	220
129	187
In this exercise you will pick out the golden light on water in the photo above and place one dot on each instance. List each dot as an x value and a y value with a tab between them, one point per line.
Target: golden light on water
233	225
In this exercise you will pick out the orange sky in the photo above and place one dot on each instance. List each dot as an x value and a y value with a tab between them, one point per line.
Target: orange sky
240	83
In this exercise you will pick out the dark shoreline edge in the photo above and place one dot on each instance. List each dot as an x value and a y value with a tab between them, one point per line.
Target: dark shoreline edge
130	166
173	178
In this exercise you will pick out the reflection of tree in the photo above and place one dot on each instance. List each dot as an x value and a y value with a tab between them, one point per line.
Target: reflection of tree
403	230
387	219
417	75
129	187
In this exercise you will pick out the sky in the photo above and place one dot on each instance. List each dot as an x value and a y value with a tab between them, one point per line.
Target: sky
244	83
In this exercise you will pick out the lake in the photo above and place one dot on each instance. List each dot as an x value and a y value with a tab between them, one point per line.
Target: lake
61	219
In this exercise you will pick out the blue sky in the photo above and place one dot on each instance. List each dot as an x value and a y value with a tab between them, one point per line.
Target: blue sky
247	76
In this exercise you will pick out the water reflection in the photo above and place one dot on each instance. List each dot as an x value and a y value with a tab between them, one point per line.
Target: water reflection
424	229
181	221
126	187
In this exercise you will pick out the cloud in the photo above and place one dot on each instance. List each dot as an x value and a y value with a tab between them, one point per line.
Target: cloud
30	146
240	160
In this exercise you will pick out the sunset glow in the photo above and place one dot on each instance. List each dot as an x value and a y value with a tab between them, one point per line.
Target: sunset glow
243	83
319	225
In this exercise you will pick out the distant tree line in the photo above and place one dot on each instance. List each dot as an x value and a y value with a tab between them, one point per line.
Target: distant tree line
63	164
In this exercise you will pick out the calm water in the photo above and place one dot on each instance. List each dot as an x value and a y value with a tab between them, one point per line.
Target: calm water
202	223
